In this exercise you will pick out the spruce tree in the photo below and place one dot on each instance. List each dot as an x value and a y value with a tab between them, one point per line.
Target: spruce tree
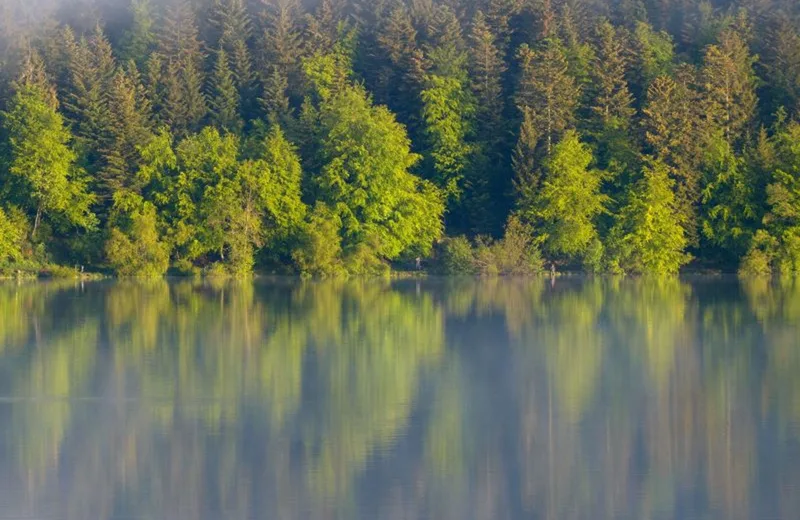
673	134
486	74
139	40
730	86
547	90
223	97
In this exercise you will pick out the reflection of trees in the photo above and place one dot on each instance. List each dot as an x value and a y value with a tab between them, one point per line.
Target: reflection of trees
441	399
174	371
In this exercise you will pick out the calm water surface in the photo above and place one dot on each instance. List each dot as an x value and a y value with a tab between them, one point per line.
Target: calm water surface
438	399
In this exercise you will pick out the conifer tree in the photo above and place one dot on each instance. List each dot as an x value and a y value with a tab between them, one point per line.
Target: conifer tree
730	85
233	25
547	90
129	129
647	237
569	202
223	97
139	40
673	133
486	73
280	44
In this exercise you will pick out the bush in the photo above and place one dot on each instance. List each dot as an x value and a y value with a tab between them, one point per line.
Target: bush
134	247
13	232
455	256
515	254
320	249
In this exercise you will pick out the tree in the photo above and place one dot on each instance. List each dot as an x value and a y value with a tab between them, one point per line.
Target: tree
447	110
486	74
130	128
776	247
13	233
233	26
730	85
86	104
134	246
527	171
782	66
50	184
280	43
612	104
569	202
366	180
547	90
647	237
673	132
139	40
654	54
183	102
728	206
223	96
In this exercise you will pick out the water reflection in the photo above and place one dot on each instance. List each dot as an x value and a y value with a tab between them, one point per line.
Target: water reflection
447	398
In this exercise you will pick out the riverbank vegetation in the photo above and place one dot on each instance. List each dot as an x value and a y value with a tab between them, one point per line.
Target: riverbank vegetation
335	137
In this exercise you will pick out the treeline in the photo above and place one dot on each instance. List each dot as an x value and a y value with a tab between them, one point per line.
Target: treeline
495	136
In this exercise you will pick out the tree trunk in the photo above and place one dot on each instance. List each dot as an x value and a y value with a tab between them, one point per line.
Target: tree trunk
37	220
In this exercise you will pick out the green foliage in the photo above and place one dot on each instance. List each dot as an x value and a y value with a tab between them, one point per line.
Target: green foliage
728	205
447	110
454	255
515	254
13	234
223	96
655	53
776	248
547	90
647	237
115	100
569	202
134	246
365	178
41	160
319	251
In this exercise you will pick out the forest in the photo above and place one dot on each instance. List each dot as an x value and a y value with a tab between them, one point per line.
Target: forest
335	137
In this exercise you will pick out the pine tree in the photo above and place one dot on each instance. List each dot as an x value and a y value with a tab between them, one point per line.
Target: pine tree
184	105
612	105
527	171
280	43
140	39
232	23
673	133
397	54
547	90
612	100
223	97
782	66
275	103
130	129
730	85
486	74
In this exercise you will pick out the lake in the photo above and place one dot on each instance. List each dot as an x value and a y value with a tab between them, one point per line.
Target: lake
415	399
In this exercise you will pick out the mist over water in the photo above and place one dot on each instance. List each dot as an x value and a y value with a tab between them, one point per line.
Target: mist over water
417	399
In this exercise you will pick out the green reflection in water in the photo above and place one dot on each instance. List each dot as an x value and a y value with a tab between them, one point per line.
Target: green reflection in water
446	398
